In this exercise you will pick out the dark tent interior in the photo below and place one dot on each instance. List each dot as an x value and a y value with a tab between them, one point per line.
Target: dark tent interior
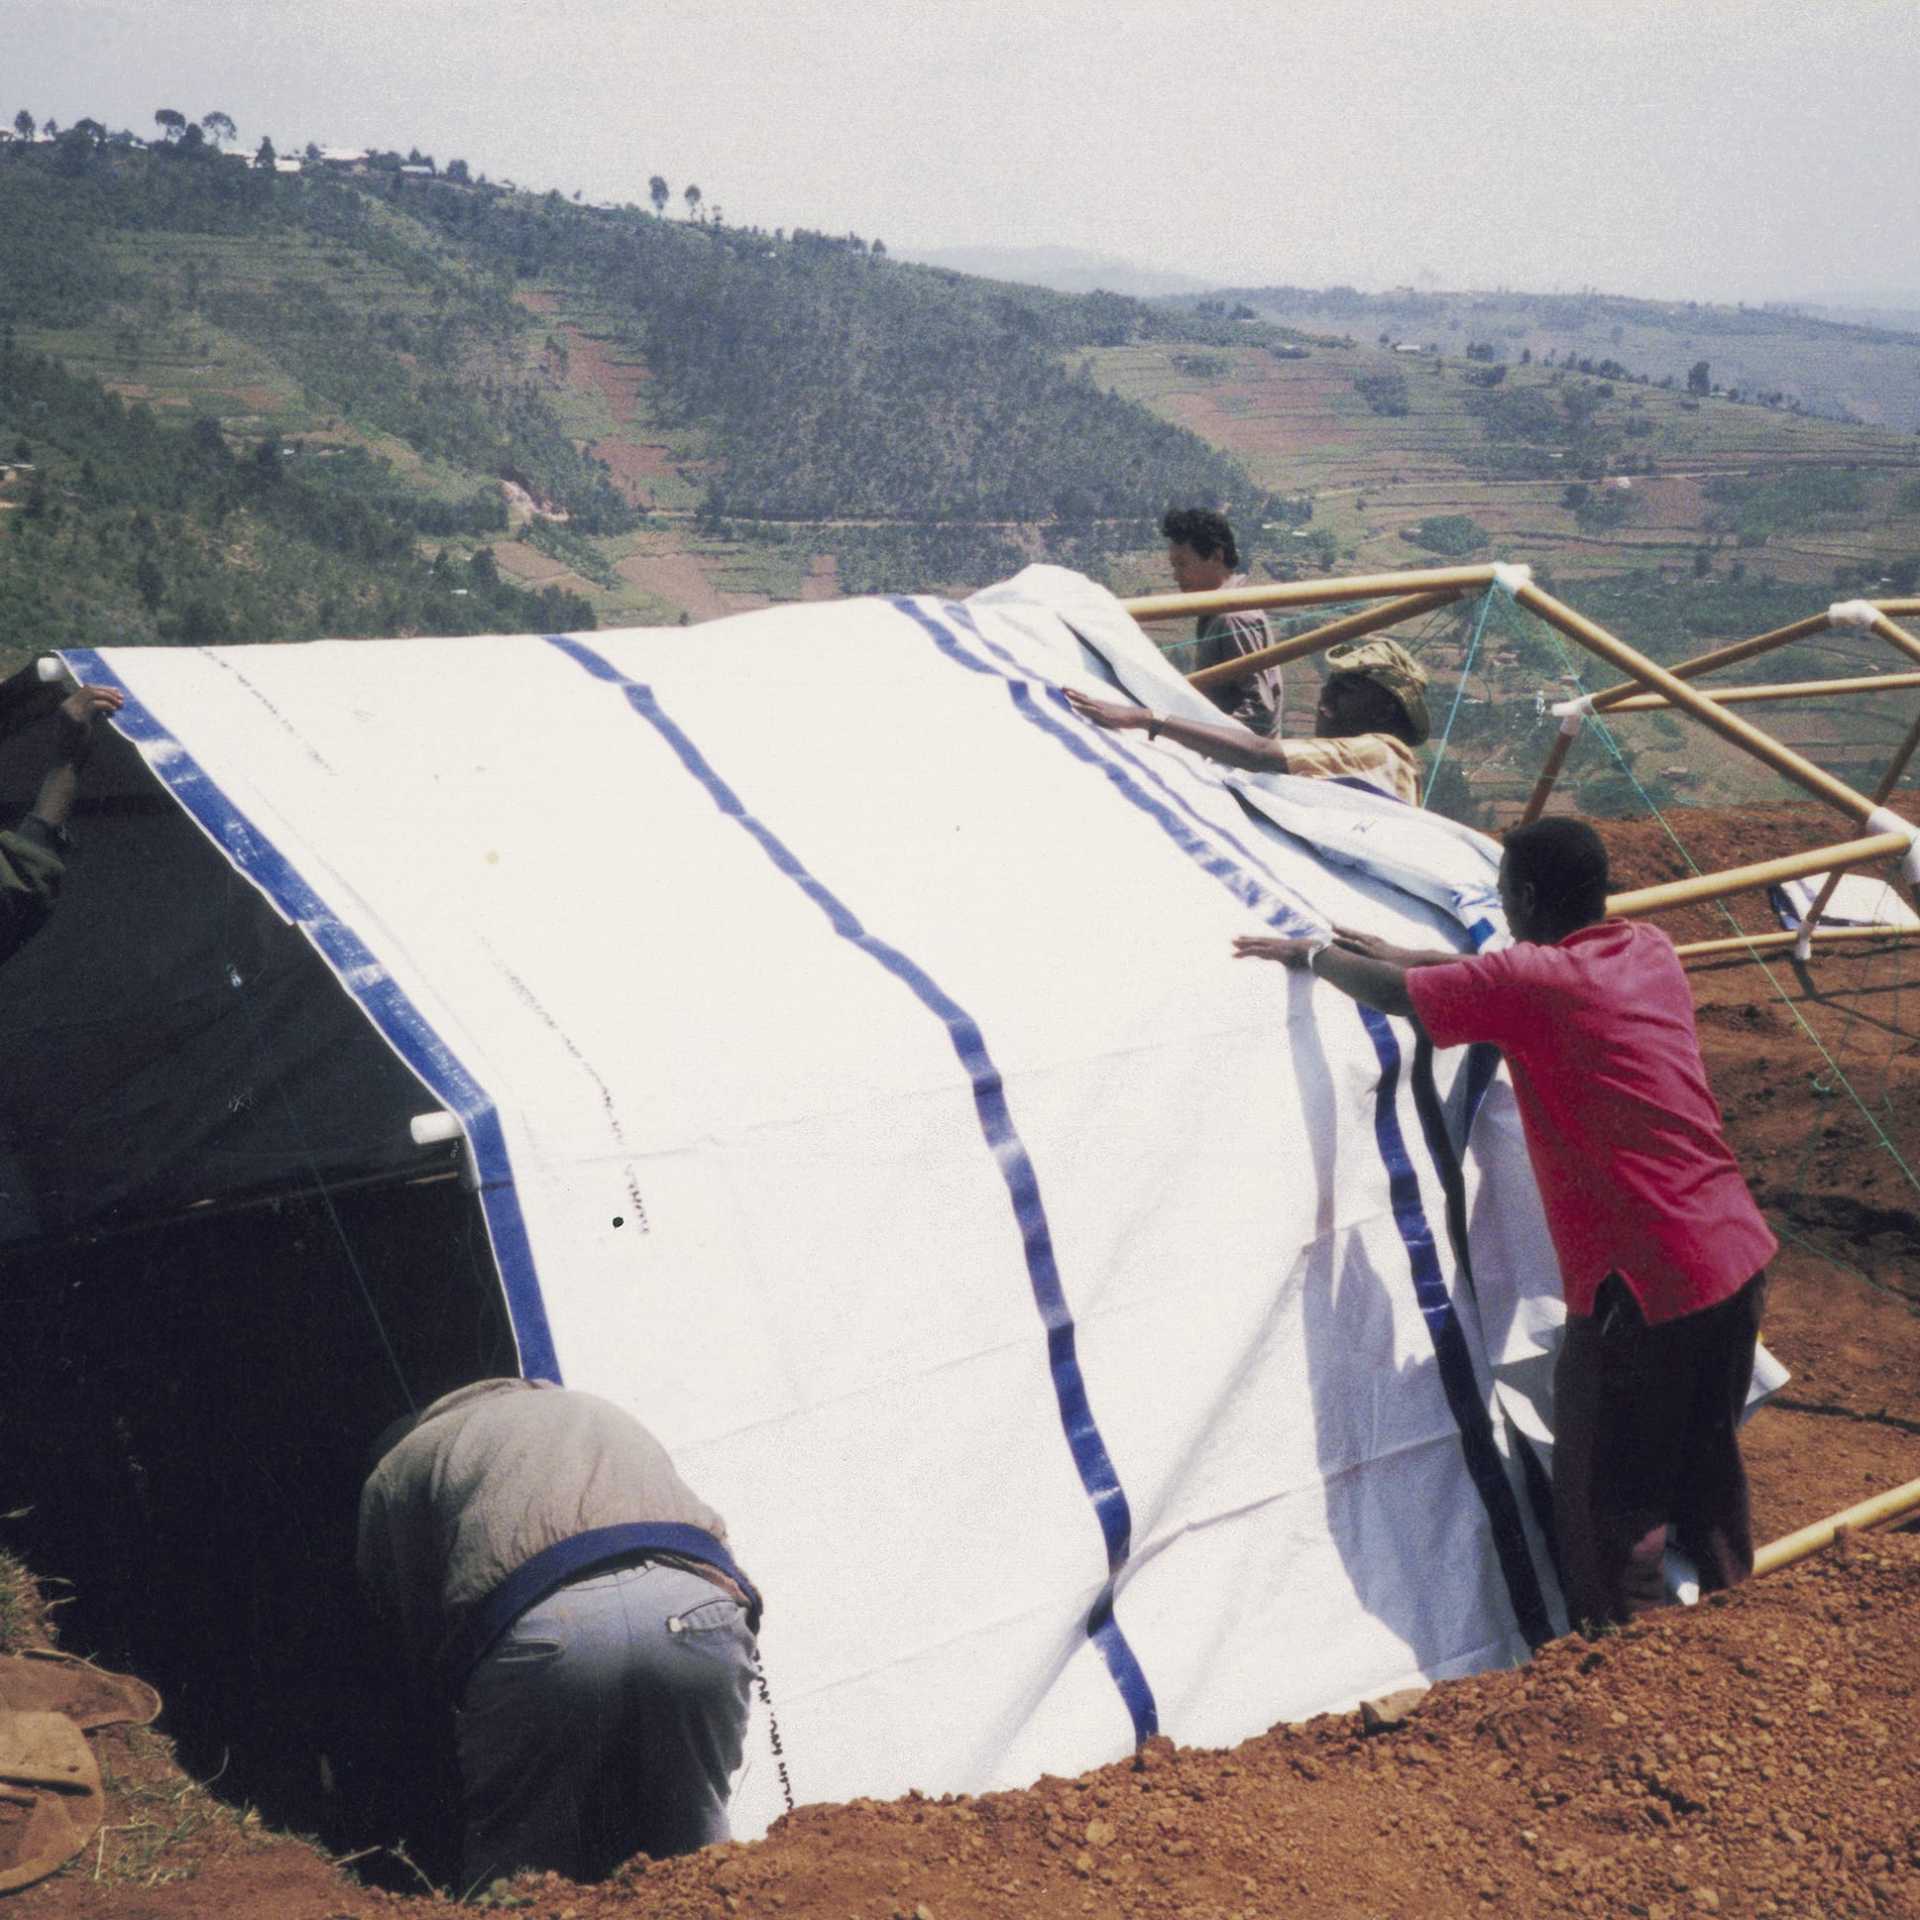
224	1267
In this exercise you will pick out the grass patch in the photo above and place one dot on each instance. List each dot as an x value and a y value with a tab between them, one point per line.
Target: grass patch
165	1825
22	1610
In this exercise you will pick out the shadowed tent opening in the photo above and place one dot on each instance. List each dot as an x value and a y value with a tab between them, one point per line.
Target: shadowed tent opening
224	1266
185	1422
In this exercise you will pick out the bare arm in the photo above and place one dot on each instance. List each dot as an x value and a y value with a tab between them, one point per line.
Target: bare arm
1377	983
1374	948
1231	746
54	802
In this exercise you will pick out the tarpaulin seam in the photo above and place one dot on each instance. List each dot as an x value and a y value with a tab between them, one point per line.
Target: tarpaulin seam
1449	1342
1084	1441
385	1002
1483	1063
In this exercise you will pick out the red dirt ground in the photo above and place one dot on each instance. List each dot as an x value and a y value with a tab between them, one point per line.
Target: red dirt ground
1751	1757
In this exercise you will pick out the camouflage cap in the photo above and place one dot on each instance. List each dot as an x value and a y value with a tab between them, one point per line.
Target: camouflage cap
1390	665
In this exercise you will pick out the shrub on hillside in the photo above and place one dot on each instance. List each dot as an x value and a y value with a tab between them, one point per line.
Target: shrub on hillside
1452	534
1384	393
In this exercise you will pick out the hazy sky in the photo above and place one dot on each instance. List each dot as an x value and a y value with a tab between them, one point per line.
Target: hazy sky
1722	149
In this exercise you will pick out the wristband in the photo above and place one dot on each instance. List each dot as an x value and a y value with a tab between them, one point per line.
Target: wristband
1315	948
1154	725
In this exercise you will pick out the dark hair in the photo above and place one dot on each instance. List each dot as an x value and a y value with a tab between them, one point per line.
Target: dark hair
1200	528
1383	711
1564	862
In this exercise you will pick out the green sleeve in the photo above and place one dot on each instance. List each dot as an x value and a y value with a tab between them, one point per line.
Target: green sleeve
31	870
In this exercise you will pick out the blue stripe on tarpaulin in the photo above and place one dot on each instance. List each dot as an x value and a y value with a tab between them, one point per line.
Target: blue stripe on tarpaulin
1070	731
1363	785
1449	1342
1450	1348
1127	774
399	1022
1084	1442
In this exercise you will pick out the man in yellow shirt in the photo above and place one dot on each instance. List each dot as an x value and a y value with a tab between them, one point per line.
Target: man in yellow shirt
1371	715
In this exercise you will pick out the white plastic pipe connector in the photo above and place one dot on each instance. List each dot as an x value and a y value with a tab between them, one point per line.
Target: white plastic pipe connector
1803	947
50	667
1853	613
1510	578
1885	820
1572	714
431	1129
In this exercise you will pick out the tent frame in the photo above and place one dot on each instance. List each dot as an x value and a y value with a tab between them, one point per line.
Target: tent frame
1646	687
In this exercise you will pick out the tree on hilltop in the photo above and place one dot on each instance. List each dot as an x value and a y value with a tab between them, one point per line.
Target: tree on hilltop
458	173
1699	378
264	157
658	192
172	122
23	124
693	201
218	128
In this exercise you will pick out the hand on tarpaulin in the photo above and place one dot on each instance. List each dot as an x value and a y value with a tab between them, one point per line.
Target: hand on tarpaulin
1370	946
1114	715
77	713
1262	946
1377	981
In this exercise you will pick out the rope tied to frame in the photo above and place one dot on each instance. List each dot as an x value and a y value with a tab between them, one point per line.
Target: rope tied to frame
1460	690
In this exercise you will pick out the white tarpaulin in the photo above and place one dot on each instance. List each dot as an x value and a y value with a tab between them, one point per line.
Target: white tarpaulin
1065	1317
1859	900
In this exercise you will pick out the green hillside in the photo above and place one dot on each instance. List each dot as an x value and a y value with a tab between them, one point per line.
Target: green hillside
234	402
656	417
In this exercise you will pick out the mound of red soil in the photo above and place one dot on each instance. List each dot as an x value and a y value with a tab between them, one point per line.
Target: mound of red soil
1753	1757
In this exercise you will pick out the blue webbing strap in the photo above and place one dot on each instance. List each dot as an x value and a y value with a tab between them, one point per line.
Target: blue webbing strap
567	1560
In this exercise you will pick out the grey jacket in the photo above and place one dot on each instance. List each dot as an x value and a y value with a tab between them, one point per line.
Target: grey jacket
489	1476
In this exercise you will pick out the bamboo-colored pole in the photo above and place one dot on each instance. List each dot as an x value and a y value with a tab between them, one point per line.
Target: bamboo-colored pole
1900	608
1816	780
1768	942
1776	690
1762	873
1895	636
1371	620
1883	1507
1722	657
1888	781
1549	773
1309	593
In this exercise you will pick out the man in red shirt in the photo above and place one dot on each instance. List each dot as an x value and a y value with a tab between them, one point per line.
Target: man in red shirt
1661	1248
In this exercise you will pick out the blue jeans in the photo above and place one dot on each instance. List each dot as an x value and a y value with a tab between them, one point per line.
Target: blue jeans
606	1721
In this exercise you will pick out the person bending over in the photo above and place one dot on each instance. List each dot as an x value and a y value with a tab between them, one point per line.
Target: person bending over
575	1606
1371	715
1662	1251
1203	556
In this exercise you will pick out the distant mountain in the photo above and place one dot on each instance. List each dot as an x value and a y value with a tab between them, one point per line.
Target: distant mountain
1790	355
1895	312
1063	269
